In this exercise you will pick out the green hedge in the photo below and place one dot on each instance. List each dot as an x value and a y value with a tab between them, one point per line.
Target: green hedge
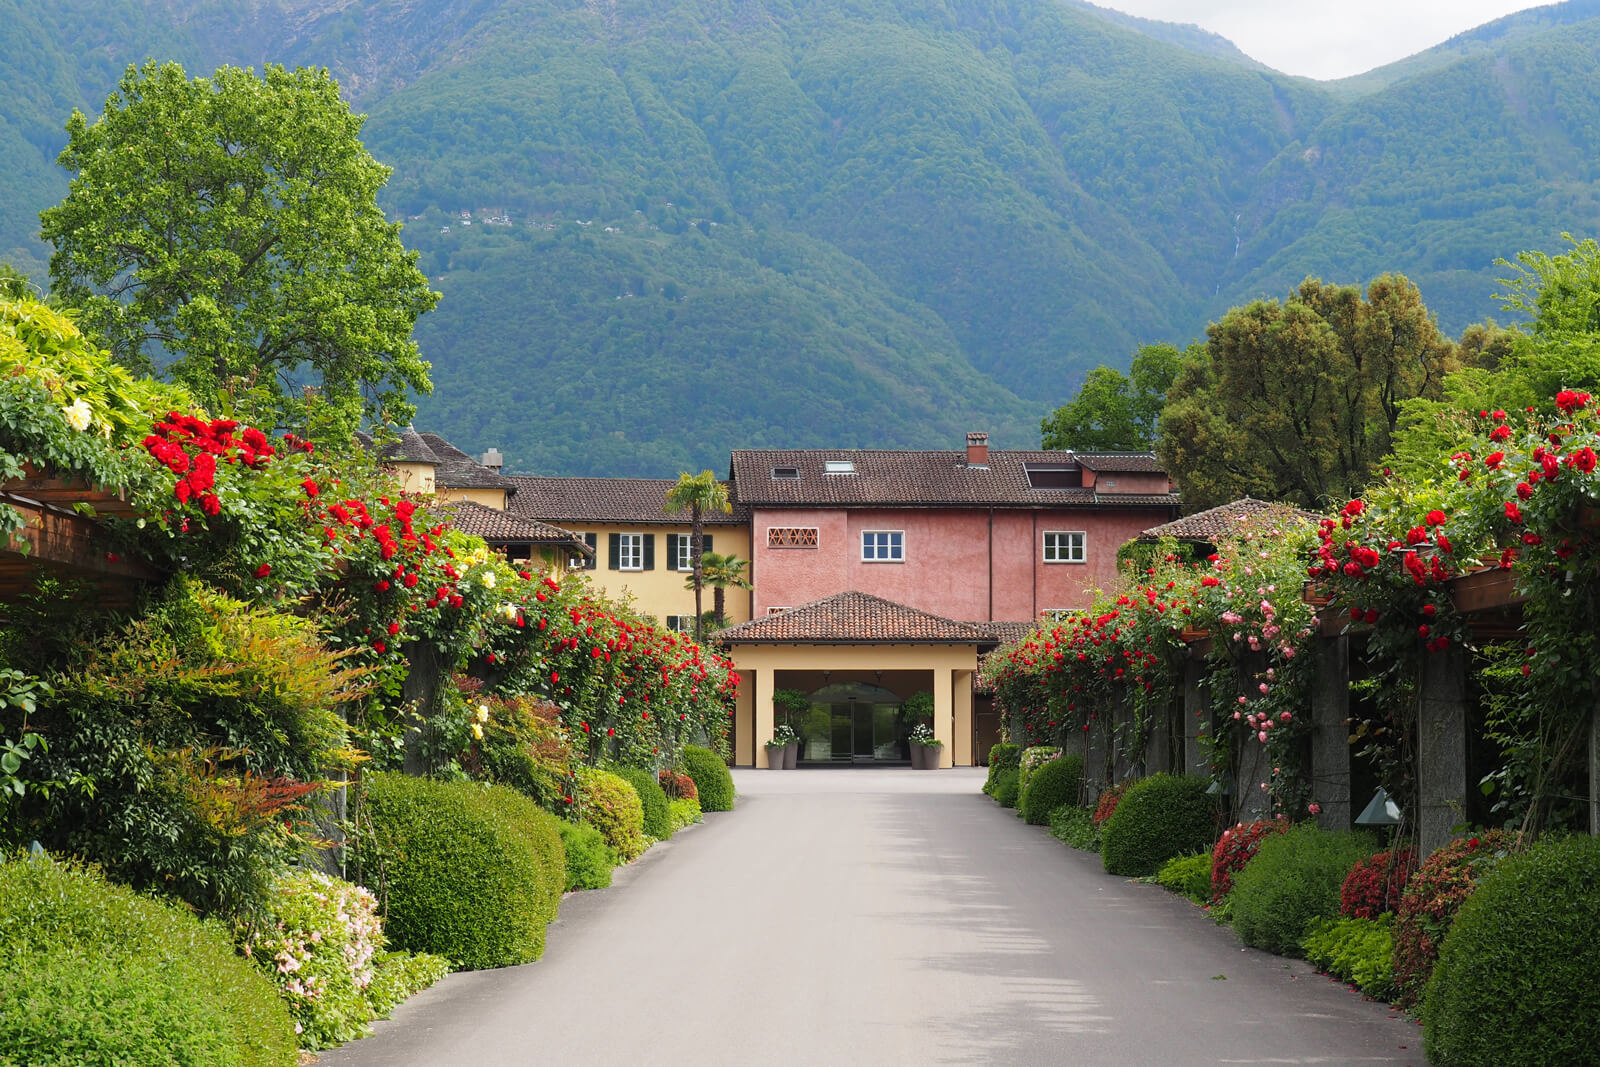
657	818
589	858
1007	786
1002	757
1162	816
1054	783
612	806
685	811
1293	878
711	778
1516	982
96	974
1189	875
1355	950
466	871
1031	760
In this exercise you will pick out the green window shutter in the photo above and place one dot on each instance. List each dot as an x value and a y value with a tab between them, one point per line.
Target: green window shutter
592	540
615	545
649	551
672	551
705	544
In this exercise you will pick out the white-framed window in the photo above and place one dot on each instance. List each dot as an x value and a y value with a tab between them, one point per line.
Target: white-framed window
679	556
1064	546
682	624
883	546
630	552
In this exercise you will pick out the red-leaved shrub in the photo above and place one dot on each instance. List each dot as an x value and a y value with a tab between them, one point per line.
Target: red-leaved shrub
1430	902
677	786
1374	885
1109	801
1234	850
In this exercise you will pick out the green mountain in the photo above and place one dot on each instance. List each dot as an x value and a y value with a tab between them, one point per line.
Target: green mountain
667	229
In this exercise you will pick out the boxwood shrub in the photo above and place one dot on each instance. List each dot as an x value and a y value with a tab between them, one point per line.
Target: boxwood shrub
466	871
1294	878
711	778
1515	983
1189	875
1031	760
612	806
1054	783
589	858
96	973
1002	757
657	819
1007	786
685	811
1162	816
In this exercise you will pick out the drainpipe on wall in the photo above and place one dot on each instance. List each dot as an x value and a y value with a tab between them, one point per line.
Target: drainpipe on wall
1033	551
991	564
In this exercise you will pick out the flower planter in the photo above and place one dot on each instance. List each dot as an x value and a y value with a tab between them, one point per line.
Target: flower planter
925	757
791	755
775	757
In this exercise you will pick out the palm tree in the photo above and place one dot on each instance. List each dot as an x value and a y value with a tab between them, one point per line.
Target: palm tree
719	572
699	493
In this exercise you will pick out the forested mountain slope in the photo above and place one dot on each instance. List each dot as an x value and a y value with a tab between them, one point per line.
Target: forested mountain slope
707	223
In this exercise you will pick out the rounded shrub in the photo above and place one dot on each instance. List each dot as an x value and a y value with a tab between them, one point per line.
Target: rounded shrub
1431	899
1515	983
466	871
589	858
1374	886
96	973
1159	817
1294	878
711	778
612	806
678	786
1237	847
1032	759
657	819
1054	783
1002	757
1007	786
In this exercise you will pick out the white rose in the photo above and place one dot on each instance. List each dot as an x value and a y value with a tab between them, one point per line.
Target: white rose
78	415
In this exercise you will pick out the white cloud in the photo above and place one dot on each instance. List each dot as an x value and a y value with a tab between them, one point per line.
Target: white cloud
1319	39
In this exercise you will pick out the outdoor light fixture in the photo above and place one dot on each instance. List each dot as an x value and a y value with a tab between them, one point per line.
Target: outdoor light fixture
1380	811
1222	787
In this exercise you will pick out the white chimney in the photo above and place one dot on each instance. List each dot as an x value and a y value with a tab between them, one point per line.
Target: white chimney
493	459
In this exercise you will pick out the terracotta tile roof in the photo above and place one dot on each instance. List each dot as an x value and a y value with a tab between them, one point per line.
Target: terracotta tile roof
640	500
502	526
854	618
457	470
1007	633
925	478
410	448
1224	519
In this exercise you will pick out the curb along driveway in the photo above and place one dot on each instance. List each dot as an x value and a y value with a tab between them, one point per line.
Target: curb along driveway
883	916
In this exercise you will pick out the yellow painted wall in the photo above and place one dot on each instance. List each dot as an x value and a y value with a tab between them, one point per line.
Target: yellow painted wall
660	592
414	477
489	498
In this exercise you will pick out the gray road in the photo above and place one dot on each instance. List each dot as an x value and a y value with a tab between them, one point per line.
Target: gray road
883	917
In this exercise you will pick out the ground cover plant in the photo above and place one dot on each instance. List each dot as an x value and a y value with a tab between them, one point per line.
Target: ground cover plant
1189	875
684	811
1159	817
712	781
1355	950
1293	878
589	858
1054	782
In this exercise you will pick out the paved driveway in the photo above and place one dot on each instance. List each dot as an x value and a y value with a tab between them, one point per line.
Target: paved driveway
883	917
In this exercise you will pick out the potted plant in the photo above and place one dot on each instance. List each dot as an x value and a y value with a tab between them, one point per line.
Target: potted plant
924	748
783	749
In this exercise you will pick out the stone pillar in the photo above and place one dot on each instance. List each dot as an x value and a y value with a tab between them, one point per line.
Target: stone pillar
1441	747
330	810
1094	754
766	680
962	696
1196	712
1330	733
744	722
944	715
1254	768
1125	760
1594	772
1158	750
420	692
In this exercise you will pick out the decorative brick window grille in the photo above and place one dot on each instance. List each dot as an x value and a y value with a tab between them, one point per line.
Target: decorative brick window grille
792	537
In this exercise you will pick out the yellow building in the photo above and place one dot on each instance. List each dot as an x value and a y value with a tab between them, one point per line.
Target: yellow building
640	551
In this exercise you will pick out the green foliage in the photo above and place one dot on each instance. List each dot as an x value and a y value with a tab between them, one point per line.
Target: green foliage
589	858
685	811
1002	756
1160	817
522	747
711	778
1515	983
1432	899
657	818
611	805
1294	877
1355	950
96	973
469	872
1114	412
399	975
1054	783
1031	760
1008	787
1074	825
232	222
1189	875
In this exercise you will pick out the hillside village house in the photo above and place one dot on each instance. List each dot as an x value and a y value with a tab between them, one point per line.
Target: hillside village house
877	575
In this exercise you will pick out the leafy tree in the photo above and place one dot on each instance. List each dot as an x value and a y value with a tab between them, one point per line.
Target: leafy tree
1116	412
698	494
230	225
14	285
719	572
1298	401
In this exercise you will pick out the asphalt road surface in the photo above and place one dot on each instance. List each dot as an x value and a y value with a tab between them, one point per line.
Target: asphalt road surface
883	917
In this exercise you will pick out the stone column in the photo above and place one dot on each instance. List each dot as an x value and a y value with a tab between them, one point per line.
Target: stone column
1441	747
1094	754
766	679
1124	760
1196	712
1594	772
1330	733
1158	751
962	696
744	722
944	715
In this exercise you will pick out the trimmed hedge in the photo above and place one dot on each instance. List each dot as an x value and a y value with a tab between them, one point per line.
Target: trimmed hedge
1189	875
1294	878
612	806
1007	786
466	871
657	819
1162	816
1054	783
1032	759
96	973
1002	757
1515	983
589	858
711	778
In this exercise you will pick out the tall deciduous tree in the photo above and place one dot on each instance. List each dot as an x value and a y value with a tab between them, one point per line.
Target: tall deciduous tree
1298	401
1113	411
228	227
698	494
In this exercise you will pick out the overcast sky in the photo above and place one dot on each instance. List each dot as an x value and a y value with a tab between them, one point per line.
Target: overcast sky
1326	38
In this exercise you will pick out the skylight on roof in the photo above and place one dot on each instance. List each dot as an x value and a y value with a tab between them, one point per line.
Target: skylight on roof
838	466
786	472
